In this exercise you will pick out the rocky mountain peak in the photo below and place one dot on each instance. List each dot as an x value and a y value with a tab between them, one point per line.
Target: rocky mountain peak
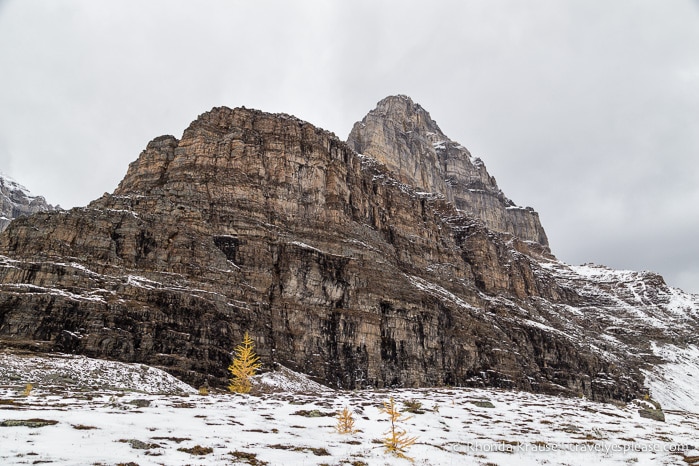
402	135
337	266
16	201
408	115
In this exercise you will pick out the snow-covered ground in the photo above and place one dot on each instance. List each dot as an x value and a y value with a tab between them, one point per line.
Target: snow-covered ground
107	413
82	374
675	384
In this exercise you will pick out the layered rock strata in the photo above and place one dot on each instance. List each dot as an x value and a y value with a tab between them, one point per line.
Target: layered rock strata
264	223
401	134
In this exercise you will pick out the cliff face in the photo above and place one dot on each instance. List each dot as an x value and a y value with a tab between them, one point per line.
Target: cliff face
17	201
401	135
264	223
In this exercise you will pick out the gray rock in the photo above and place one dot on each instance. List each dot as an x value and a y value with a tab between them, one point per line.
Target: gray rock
140	403
655	414
483	404
33	423
401	135
140	444
16	201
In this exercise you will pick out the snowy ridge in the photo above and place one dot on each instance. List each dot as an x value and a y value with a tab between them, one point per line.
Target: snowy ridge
80	372
639	307
643	295
12	184
17	201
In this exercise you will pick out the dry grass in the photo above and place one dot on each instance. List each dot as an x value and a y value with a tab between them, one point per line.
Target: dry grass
197	450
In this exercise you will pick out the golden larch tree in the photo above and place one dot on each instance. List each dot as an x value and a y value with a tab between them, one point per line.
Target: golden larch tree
345	422
245	364
396	440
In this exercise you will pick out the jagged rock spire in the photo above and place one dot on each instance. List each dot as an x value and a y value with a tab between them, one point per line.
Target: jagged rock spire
401	134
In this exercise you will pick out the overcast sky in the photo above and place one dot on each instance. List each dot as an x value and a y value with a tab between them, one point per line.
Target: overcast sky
586	110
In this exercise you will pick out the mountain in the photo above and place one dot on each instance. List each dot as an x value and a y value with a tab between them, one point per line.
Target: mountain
17	201
357	269
401	135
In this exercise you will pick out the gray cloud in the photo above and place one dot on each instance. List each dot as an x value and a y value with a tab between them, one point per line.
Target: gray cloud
584	110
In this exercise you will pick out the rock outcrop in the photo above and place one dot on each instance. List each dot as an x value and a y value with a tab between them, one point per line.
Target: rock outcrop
16	201
337	268
401	135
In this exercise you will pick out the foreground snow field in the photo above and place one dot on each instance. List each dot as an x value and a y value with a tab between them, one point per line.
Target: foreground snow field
105	413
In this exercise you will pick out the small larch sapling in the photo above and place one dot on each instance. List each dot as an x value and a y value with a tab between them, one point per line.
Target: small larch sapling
396	440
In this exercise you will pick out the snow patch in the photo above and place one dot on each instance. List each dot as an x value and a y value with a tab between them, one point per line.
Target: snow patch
81	372
305	246
674	384
286	380
438	291
54	292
